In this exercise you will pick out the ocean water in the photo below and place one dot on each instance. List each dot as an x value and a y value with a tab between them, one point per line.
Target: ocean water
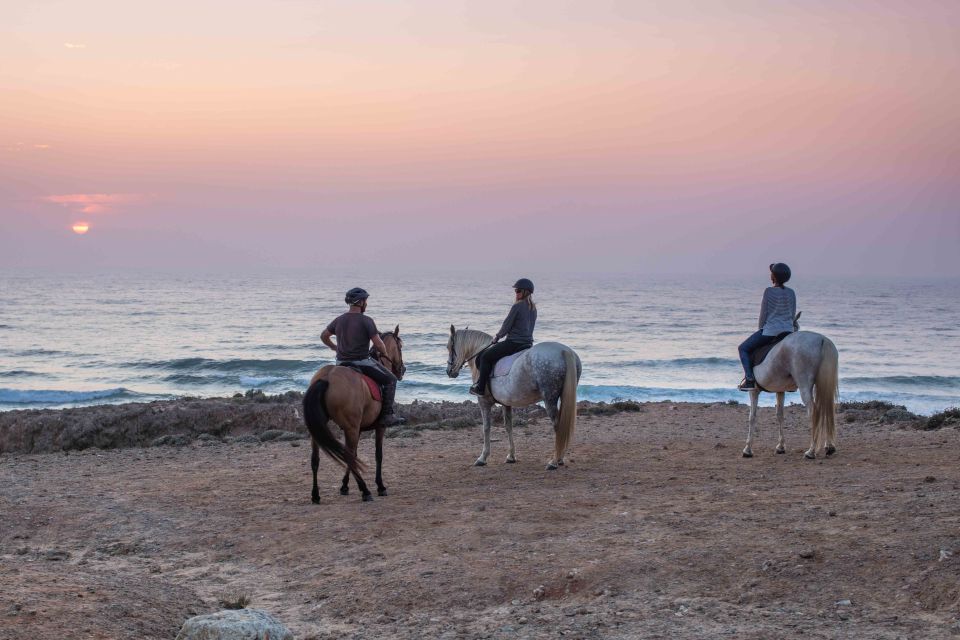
80	339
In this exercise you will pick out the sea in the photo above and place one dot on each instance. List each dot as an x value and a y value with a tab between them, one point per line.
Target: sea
77	339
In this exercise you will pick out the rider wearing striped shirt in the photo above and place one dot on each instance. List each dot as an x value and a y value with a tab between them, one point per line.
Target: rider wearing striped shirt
777	313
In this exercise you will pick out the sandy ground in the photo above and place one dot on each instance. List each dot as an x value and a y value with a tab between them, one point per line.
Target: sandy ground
657	528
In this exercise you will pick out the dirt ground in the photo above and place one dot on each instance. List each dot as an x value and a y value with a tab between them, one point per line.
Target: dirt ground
656	528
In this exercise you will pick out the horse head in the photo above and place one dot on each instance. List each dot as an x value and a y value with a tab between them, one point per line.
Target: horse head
393	358
454	363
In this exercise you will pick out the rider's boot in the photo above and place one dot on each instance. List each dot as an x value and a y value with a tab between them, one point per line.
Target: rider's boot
387	416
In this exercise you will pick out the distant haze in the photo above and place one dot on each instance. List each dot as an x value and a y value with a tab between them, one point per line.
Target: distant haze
595	135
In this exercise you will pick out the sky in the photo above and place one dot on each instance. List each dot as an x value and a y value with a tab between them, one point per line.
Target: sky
540	135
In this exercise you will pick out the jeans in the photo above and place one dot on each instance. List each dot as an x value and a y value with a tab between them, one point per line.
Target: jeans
387	381
750	345
489	358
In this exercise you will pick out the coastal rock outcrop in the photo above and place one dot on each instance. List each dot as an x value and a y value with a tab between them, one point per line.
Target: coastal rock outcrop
234	624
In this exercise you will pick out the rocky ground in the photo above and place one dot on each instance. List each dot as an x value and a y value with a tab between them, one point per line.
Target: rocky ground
656	528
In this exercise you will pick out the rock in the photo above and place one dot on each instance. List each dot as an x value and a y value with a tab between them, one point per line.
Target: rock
57	555
248	438
171	440
234	624
806	554
945	554
898	415
540	593
843	603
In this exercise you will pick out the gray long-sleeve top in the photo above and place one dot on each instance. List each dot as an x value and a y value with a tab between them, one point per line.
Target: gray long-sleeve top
777	310
518	327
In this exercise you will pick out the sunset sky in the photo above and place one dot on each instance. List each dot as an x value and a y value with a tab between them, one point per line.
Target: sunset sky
538	134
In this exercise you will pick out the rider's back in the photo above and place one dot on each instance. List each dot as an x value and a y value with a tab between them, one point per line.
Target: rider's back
353	331
777	310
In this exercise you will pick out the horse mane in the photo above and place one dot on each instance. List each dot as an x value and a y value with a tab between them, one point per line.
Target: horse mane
469	341
384	334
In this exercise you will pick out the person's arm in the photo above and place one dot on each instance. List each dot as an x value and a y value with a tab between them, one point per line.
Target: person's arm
378	343
763	309
508	323
325	339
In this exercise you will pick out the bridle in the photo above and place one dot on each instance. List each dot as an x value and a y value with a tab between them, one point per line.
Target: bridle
376	355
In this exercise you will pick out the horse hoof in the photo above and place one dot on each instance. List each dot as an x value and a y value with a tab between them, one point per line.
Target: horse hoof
781	450
748	454
560	463
810	456
382	492
315	499
480	463
830	451
551	467
367	497
344	491
511	460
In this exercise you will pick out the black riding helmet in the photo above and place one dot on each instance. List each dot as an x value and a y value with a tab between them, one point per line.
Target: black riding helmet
524	283
781	272
355	296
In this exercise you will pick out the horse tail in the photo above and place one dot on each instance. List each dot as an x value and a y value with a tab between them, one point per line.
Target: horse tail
316	418
825	395
568	404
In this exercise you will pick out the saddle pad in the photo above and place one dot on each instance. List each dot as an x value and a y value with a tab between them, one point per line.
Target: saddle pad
374	388
504	364
758	356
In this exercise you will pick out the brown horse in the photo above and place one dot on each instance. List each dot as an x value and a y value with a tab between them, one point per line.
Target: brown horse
340	394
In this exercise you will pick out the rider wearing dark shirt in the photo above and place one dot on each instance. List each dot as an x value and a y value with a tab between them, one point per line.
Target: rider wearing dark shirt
355	331
518	330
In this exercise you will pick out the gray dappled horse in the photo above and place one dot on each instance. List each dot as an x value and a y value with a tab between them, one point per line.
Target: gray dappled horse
548	371
806	361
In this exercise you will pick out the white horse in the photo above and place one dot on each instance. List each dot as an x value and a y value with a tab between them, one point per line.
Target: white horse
548	371
807	361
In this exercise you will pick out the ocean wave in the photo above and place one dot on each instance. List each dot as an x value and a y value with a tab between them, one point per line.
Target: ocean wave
272	366
20	373
938	382
56	397
711	361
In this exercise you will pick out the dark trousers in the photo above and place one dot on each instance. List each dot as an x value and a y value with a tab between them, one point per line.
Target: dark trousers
750	345
489	358
386	380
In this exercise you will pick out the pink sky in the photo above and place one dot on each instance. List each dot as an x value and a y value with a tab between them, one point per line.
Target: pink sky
591	135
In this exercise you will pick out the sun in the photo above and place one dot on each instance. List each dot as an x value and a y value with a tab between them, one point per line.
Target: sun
81	228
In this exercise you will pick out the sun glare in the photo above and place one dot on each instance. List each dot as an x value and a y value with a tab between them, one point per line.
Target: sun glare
81	228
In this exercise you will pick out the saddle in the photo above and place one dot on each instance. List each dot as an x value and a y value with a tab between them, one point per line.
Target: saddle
375	390
760	354
504	364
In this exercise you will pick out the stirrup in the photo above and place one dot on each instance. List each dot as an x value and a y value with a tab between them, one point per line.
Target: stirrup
475	390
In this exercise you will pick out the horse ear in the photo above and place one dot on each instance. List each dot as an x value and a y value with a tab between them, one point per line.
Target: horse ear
396	331
797	317
452	330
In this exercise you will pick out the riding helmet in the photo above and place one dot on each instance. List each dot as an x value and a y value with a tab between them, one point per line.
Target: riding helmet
524	283
356	296
781	272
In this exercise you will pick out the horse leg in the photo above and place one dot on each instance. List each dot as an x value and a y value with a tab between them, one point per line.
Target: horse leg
806	394
315	464
508	424
345	485
553	412
352	442
751	422
381	490
485	410
780	447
